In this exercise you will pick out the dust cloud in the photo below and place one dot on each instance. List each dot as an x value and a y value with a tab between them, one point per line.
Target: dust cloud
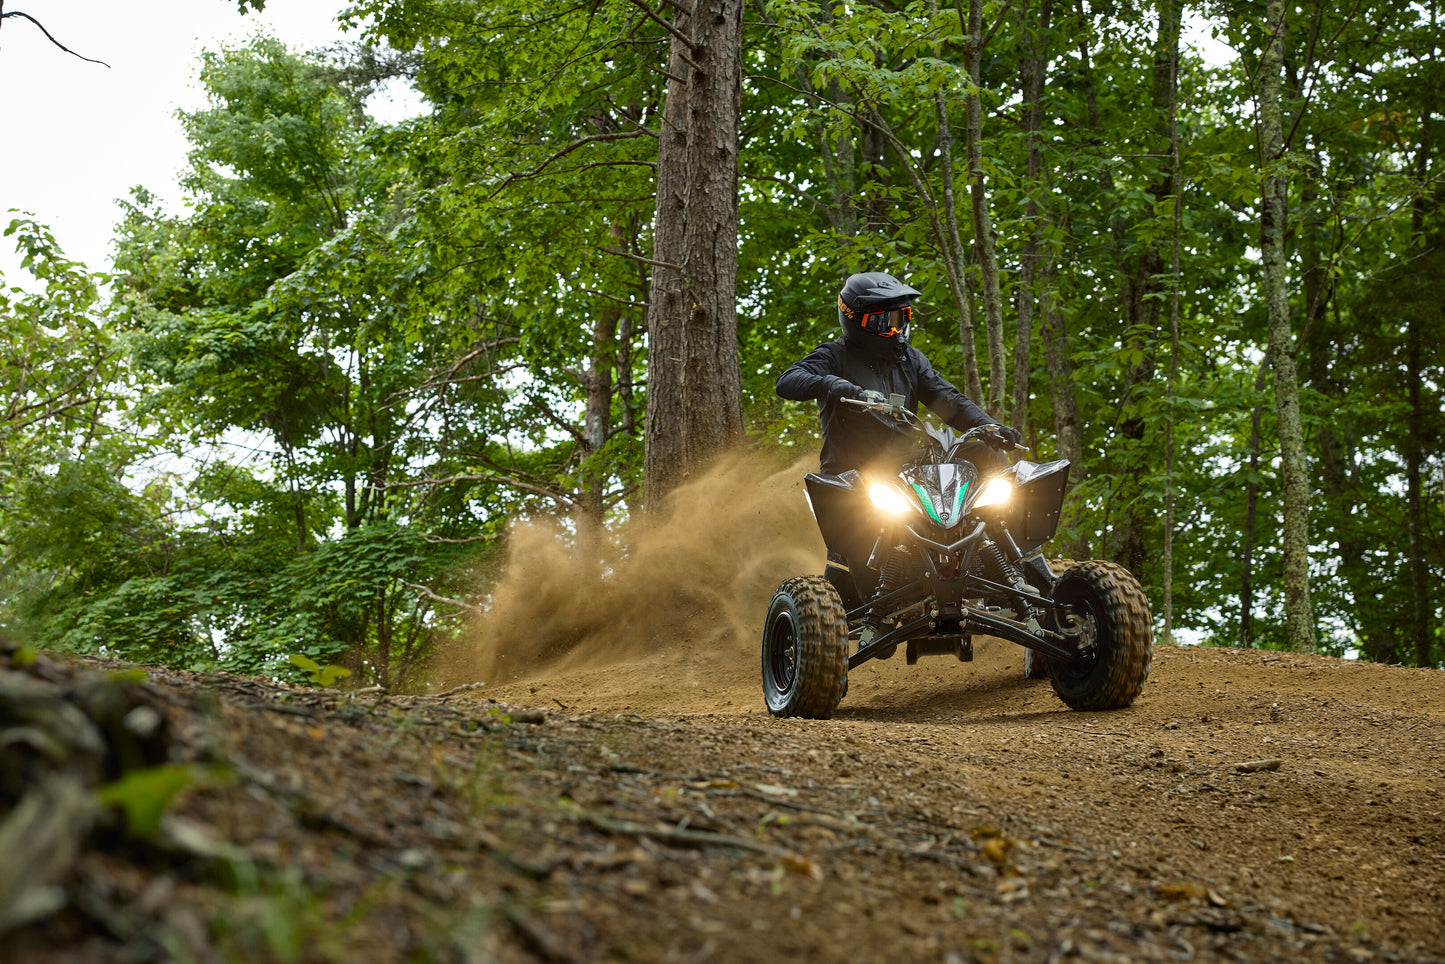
700	574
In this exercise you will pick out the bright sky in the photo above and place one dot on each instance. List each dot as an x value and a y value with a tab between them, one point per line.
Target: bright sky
76	136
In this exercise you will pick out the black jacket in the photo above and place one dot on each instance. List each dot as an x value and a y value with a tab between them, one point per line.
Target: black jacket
852	437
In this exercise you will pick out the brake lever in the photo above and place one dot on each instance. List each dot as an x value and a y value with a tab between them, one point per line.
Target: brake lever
865	403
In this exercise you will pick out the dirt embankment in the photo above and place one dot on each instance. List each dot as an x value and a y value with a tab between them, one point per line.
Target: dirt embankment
615	791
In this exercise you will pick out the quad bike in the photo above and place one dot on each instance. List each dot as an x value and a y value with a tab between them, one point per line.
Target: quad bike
936	552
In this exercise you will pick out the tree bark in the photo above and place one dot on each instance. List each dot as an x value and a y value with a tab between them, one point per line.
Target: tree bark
1273	228
694	384
1414	508
945	232
1419	418
1142	289
1249	538
953	252
954	262
983	238
1320	346
1033	72
597	415
1169	12
1068	428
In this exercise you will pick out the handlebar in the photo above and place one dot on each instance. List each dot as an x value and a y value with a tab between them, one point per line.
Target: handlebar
989	434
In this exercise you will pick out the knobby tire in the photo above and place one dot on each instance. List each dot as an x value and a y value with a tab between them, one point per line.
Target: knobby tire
807	615
1114	674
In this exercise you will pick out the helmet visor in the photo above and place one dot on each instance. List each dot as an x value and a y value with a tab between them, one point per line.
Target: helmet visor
886	324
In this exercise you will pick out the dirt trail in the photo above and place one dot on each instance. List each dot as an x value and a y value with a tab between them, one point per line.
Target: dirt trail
618	793
650	810
1341	839
1305	789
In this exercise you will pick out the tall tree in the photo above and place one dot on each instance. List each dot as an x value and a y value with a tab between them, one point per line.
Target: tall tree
1167	12
1273	234
1142	269
694	396
1033	77
984	242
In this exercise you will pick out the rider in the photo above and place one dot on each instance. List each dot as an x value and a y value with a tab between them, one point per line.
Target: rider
874	310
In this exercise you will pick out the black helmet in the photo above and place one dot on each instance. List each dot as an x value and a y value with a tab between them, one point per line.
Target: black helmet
874	311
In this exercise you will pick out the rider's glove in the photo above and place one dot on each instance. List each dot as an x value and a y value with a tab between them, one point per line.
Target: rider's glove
840	388
1010	434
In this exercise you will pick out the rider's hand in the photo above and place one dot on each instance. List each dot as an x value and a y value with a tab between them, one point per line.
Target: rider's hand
841	388
1010	435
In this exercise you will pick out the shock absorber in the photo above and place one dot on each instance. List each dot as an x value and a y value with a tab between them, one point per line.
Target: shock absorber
1004	571
891	575
895	569
1008	574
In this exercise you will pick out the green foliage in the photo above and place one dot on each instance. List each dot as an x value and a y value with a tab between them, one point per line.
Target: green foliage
328	675
144	795
313	401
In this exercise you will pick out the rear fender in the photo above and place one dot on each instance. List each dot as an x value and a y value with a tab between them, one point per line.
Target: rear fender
846	520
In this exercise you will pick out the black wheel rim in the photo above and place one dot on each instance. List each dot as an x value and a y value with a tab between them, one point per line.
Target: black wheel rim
1081	667
783	651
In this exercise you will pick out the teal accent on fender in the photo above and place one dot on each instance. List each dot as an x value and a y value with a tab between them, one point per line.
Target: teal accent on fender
927	503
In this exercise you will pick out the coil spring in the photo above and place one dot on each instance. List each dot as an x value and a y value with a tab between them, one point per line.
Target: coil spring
895	570
1006	573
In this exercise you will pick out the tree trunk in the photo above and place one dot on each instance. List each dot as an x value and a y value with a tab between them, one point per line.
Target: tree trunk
1420	420
1033	72
1142	289
694	384
1249	538
597	415
945	229
1414	509
1168	12
1273	228
1068	429
983	239
1319	344
955	263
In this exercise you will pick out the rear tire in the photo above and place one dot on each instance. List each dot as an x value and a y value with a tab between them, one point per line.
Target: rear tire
1115	613
805	649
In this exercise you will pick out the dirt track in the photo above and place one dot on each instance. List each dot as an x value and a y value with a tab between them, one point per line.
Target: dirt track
653	812
620	794
1115	826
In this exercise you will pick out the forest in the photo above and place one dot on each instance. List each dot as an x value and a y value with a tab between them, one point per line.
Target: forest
1187	245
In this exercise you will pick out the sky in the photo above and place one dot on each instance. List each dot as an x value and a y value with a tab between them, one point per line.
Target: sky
76	136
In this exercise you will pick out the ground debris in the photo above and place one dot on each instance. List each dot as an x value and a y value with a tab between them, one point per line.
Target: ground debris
293	823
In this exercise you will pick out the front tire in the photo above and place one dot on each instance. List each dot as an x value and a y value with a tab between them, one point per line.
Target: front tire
805	649
1036	665
1117	633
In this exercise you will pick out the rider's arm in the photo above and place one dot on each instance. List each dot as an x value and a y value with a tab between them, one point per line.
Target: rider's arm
811	376
947	402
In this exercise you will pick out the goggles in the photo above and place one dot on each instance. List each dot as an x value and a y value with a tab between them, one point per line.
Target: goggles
886	324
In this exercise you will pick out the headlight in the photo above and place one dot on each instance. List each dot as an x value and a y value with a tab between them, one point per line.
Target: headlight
996	492
889	499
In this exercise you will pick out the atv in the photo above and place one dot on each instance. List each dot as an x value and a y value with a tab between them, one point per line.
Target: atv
935	551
